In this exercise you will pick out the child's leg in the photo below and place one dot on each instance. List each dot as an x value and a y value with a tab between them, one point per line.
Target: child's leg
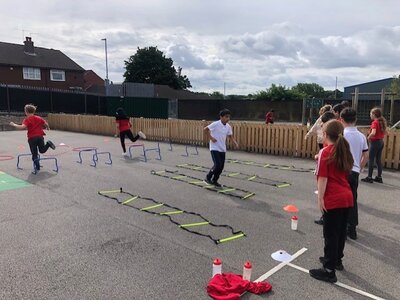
353	211
373	149
342	230
220	161
130	136
33	145
122	139
41	145
331	237
211	173
379	157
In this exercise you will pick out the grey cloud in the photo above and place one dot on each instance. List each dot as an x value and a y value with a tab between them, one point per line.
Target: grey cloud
183	56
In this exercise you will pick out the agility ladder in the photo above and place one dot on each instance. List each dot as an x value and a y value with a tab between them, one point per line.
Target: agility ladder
238	175
271	166
158	208
231	191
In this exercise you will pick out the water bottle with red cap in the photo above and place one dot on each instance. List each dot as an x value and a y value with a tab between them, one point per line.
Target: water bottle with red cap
295	220
247	267
217	267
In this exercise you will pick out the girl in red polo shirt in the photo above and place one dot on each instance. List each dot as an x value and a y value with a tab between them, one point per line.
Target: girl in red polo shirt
376	136
334	198
124	128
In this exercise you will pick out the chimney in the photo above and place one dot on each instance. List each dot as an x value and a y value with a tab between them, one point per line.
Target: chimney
28	48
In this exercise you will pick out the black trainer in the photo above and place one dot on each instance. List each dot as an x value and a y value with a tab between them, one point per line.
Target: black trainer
216	184
352	233
208	181
51	145
368	179
339	266
323	274
319	221
378	179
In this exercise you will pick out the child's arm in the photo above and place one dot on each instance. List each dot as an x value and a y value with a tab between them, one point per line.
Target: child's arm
372	133
17	126
116	130
364	159
233	141
321	183
207	132
46	125
314	128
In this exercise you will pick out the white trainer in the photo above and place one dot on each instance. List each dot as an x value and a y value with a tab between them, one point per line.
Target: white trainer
142	135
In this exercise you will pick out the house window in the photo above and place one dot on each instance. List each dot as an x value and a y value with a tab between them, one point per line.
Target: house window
57	75
31	73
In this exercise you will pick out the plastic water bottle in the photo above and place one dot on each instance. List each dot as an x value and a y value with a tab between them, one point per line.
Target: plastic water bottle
294	222
217	267
247	267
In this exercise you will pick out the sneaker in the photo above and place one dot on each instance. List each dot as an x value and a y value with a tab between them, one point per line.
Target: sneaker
142	135
51	145
37	166
323	274
339	266
208	181
378	179
125	154
352	233
319	221
215	183
367	179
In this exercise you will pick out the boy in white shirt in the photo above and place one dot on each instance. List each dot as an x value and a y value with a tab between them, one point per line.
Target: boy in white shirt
359	150
217	132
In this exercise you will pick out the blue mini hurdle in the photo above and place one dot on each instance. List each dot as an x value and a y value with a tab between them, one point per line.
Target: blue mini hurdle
134	146
157	150
96	158
187	152
35	170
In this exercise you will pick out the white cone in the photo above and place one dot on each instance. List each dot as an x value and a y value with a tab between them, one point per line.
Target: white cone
281	255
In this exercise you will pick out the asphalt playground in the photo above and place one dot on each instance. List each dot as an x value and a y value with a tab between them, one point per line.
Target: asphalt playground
60	239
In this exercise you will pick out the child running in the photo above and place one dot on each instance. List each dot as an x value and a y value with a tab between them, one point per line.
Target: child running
334	198
376	136
124	128
359	150
217	132
35	125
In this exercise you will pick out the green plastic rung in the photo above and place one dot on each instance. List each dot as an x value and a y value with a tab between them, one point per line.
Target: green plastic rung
226	190
252	177
129	200
151	207
248	196
179	177
233	174
282	185
174	212
234	237
194	224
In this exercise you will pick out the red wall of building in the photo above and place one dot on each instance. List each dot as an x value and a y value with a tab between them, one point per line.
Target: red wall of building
14	75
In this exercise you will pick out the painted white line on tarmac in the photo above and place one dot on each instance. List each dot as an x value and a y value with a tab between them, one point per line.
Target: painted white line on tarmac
345	286
280	266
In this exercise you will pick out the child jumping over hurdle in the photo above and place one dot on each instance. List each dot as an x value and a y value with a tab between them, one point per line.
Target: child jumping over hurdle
217	132
124	128
35	125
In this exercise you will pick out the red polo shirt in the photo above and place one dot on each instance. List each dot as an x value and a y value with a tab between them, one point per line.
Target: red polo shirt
123	125
379	134
338	193
34	124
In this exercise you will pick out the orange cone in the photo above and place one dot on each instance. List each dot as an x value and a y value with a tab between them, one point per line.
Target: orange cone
291	208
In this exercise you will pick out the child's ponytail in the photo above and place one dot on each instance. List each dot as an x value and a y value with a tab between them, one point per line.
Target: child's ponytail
341	157
377	112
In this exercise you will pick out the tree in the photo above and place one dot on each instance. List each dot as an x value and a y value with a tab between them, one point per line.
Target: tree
395	87
149	65
309	90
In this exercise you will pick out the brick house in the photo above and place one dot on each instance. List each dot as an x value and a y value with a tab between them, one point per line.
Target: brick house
27	65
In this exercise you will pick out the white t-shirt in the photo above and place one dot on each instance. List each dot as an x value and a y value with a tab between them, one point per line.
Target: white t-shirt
219	131
358	145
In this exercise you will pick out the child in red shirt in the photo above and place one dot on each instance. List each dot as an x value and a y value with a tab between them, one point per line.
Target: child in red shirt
269	117
124	128
35	124
376	136
334	198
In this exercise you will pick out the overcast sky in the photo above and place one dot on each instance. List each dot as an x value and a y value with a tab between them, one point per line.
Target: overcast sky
247	44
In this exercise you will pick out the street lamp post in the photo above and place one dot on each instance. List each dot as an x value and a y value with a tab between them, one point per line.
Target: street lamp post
105	48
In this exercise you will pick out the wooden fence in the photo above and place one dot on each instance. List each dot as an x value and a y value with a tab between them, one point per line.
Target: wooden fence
284	140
